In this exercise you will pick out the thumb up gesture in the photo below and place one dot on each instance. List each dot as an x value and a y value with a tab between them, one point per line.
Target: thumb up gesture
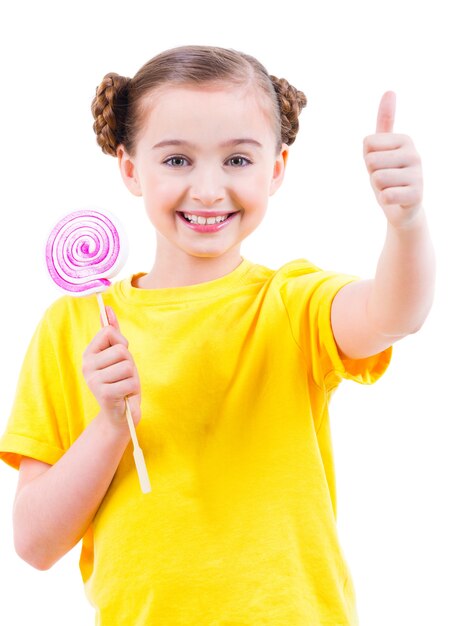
394	167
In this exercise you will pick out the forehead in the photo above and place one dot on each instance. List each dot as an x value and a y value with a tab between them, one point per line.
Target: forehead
217	110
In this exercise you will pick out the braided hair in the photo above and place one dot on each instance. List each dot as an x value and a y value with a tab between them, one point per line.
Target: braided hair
117	106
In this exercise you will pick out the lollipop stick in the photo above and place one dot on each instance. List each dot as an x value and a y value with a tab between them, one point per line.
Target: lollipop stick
139	460
101	305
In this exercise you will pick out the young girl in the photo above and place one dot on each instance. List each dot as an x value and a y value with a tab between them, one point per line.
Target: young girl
228	366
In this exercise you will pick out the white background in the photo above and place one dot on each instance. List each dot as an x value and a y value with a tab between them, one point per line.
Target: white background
390	439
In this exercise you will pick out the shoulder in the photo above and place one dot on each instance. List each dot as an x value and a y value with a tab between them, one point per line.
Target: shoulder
76	308
299	267
69	311
69	320
287	272
301	275
294	268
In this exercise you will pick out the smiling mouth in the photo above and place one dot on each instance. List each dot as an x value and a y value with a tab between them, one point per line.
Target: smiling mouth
207	225
192	218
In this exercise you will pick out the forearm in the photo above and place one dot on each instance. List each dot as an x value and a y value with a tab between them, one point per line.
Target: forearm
53	511
403	288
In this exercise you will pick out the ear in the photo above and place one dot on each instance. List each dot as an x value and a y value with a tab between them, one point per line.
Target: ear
278	169
128	171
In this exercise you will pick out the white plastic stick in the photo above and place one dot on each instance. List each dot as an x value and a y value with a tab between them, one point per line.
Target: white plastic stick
138	455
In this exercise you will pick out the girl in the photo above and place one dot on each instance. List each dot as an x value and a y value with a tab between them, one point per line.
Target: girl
228	365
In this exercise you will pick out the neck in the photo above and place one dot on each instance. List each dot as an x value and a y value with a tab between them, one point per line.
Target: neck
176	268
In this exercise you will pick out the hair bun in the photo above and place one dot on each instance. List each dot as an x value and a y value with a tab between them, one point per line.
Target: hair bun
109	110
291	102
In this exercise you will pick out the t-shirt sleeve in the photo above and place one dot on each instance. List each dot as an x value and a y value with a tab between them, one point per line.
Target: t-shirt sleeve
308	294
37	422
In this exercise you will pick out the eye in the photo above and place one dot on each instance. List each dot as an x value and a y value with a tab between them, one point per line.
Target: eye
239	161
178	161
175	161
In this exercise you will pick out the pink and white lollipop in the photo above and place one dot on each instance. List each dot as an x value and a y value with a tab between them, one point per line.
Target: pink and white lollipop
83	251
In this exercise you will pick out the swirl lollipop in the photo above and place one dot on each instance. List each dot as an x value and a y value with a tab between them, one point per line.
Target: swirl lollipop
83	251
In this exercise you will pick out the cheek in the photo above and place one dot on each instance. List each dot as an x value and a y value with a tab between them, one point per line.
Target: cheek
159	190
254	190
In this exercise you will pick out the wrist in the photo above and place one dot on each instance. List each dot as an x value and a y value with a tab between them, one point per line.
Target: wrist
416	222
113	428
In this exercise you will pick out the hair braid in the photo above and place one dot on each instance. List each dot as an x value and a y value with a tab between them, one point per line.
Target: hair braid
119	109
109	110
291	102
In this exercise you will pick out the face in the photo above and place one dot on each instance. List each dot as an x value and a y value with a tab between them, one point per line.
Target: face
204	152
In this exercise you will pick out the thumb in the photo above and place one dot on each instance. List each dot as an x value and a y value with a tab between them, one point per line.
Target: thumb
386	113
112	319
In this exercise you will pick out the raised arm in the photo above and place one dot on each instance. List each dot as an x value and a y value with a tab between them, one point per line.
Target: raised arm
367	316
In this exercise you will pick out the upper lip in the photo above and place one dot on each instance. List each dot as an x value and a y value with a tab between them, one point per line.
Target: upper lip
208	213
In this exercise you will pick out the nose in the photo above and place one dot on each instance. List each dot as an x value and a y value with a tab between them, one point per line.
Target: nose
207	186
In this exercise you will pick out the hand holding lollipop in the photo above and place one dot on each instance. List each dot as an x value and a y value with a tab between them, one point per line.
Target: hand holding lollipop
83	250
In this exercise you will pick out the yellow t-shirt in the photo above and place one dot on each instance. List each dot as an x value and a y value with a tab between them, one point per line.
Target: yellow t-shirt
236	374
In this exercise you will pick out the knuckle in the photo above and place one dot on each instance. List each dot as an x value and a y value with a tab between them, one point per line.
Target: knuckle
133	391
388	196
377	178
116	337
124	350
370	159
133	381
128	369
407	141
120	351
87	372
93	379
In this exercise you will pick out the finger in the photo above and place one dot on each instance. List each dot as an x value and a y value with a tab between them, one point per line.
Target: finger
117	372
110	356
108	336
386	159
386	113
404	196
122	388
396	177
386	141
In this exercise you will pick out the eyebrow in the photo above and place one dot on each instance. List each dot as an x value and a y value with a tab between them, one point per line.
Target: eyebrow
225	144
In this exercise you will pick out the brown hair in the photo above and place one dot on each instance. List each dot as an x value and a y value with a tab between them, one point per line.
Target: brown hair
117	106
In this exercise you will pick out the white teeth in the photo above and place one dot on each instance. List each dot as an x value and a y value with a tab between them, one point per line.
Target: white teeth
199	219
